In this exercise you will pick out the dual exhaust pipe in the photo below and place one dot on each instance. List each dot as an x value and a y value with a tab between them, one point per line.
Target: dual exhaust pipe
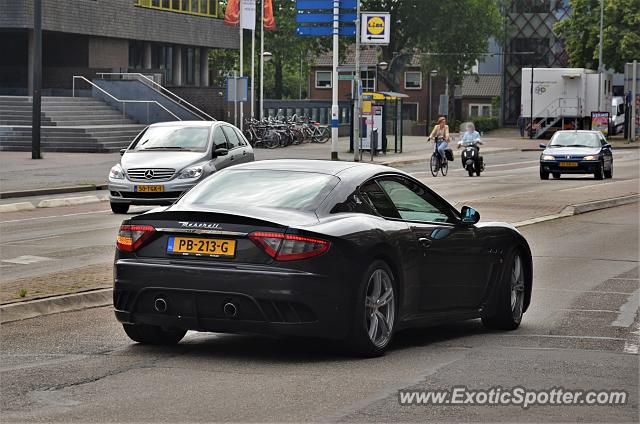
230	309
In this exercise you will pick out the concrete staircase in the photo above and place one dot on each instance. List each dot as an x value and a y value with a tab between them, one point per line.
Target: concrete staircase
80	124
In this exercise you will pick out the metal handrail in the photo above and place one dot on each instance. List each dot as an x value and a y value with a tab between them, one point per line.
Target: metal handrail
163	90
123	102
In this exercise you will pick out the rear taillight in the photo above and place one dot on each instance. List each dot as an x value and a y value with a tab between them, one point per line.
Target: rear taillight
288	247
131	237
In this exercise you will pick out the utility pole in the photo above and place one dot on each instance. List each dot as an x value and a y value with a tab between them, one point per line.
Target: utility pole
37	80
241	64
335	109
358	92
261	60
531	111
600	64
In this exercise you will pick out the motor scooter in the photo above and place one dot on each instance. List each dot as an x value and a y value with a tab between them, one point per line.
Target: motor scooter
471	159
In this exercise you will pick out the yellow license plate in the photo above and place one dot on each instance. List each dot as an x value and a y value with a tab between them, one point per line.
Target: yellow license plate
569	164
201	246
150	189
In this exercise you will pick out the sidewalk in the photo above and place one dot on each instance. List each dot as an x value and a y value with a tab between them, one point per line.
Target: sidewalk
18	172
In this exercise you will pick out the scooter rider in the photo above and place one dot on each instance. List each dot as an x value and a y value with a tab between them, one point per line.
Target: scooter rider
440	134
470	136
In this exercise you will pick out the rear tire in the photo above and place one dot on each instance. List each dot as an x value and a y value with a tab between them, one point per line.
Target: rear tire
153	335
556	175
509	296
374	317
119	208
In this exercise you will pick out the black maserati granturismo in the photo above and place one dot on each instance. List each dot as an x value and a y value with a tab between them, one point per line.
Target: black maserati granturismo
336	250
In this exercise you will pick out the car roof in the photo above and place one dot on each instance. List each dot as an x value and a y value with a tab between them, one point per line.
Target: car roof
184	124
330	167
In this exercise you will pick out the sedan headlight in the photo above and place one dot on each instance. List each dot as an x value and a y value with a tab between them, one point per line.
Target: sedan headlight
548	157
591	157
116	173
190	173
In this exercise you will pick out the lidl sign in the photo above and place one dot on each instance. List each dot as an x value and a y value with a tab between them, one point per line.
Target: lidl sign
376	28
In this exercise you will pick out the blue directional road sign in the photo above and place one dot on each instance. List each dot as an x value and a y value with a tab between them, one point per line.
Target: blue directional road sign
315	18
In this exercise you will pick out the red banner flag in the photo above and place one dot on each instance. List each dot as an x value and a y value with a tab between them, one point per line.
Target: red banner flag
269	19
232	14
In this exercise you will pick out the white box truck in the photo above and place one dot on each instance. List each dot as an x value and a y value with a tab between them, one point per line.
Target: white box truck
563	98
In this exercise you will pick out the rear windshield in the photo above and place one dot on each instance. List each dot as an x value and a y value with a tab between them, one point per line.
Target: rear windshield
575	139
262	188
172	138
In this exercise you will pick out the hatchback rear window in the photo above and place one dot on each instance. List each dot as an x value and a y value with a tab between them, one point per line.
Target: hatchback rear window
262	188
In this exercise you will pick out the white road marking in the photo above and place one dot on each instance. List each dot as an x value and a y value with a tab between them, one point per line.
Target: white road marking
27	259
54	216
628	310
588	186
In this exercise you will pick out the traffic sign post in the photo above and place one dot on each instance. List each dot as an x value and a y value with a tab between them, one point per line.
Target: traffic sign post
323	18
375	28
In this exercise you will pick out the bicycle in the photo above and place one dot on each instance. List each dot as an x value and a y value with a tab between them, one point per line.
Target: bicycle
438	163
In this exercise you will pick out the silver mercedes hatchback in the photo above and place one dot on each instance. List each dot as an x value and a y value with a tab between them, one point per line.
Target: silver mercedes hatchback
167	159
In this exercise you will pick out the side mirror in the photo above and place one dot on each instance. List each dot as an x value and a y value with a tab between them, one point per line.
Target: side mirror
470	216
607	146
220	152
543	146
122	151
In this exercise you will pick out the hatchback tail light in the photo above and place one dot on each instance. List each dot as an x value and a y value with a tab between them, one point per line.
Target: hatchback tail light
289	247
131	237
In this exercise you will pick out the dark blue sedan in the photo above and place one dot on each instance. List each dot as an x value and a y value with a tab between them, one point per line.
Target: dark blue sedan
577	152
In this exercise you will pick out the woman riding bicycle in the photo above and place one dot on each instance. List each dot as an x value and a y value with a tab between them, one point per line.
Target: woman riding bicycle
440	135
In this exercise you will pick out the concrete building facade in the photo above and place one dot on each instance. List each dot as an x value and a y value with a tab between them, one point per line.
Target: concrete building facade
169	39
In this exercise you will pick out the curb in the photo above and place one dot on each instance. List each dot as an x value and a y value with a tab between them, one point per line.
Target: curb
104	297
54	203
55	304
53	190
581	208
17	207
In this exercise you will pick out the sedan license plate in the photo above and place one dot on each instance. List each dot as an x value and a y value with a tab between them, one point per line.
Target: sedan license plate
569	164
150	188
201	246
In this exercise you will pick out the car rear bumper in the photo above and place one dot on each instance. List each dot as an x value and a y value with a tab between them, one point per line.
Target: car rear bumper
268	300
582	167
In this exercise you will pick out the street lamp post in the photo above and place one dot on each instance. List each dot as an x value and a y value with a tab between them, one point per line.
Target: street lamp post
600	65
265	57
37	80
432	74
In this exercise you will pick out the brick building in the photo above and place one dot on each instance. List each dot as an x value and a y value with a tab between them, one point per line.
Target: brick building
167	38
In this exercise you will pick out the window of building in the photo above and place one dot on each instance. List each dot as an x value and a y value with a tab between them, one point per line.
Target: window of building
195	7
410	112
476	110
368	80
323	79
413	80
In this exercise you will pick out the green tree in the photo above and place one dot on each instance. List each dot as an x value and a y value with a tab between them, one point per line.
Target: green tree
581	32
459	37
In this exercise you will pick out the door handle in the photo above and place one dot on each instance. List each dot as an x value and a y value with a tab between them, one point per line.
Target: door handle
425	242
244	153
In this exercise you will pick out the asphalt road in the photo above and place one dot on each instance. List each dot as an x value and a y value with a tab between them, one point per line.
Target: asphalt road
43	241
580	333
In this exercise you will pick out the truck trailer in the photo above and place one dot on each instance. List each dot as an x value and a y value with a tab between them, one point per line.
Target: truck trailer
563	98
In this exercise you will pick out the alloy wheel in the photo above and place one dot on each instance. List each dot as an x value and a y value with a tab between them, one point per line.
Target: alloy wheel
379	307
517	288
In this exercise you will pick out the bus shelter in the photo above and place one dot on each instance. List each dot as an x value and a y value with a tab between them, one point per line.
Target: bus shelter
386	105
